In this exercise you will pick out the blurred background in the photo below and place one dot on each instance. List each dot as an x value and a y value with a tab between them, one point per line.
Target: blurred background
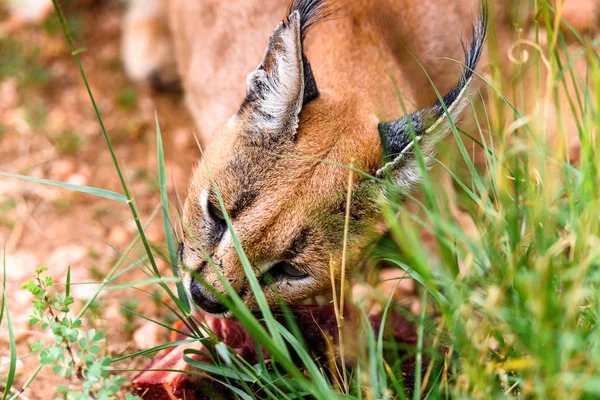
48	130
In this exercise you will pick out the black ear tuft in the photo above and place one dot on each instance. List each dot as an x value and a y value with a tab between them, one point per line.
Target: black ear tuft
311	12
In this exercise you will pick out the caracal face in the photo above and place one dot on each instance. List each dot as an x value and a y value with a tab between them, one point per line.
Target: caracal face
287	209
277	166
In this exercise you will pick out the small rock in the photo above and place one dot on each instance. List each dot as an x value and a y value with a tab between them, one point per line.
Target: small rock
390	277
5	364
20	266
581	15
118	236
62	169
393	282
64	256
493	344
113	313
415	308
148	335
9	94
78	179
21	299
84	291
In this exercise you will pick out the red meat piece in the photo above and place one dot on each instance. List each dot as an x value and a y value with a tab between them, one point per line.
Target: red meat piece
313	322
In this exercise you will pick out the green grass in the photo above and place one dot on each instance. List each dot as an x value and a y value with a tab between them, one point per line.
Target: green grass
4	311
18	62
68	142
127	98
7	208
128	310
512	313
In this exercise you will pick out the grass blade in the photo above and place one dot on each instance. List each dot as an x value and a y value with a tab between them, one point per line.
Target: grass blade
108	277
3	286
164	202
128	196
249	272
107	194
27	382
215	369
11	337
68	284
13	349
142	283
154	349
419	356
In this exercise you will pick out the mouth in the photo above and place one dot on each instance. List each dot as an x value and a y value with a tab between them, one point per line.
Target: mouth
206	302
209	303
211	307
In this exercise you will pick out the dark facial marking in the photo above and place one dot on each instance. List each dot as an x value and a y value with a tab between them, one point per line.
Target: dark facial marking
217	216
247	171
298	244
361	202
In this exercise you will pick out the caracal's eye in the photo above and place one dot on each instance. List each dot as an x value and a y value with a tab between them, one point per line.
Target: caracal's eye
215	212
288	271
220	225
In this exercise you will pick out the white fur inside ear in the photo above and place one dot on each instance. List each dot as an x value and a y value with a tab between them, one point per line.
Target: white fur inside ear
278	83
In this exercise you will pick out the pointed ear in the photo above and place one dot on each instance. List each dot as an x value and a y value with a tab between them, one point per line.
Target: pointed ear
428	126
275	91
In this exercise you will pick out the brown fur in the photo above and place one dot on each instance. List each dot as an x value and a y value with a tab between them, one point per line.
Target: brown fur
275	195
348	54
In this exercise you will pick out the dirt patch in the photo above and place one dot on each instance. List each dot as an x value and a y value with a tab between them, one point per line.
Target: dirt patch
48	130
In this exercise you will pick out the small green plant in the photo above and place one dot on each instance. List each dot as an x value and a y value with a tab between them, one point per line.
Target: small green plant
127	98
36	114
75	352
128	311
52	26
7	208
17	61
62	205
68	142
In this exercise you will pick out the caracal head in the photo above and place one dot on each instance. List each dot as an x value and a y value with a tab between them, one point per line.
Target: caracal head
277	166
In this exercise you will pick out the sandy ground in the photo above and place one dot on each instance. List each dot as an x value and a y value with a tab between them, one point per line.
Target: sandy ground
48	130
